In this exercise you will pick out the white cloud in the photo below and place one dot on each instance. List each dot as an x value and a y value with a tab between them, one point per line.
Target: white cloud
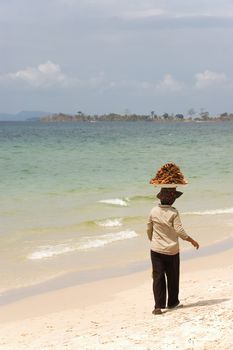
44	75
130	85
97	81
169	84
50	75
209	79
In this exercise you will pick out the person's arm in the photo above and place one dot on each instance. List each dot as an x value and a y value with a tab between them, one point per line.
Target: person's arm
150	228
179	228
193	242
181	232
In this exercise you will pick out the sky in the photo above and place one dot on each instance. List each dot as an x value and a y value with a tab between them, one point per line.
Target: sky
102	56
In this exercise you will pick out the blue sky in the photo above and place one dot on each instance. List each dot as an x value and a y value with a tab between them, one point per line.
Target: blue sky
103	56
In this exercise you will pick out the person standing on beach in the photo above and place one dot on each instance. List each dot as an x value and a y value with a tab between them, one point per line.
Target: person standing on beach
164	229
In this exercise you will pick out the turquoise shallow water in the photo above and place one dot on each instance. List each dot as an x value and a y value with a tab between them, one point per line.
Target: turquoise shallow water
76	195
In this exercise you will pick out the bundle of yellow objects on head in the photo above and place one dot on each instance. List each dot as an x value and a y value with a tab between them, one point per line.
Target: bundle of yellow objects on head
169	174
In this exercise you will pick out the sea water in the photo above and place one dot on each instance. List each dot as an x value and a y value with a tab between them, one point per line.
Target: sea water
76	196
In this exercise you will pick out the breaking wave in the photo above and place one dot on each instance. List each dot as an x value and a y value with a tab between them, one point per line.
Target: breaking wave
110	222
116	201
108	238
211	212
50	251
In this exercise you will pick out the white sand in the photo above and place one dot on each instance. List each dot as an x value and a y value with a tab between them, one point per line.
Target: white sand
116	314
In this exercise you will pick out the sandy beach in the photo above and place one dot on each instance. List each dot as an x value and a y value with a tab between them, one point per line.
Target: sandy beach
115	313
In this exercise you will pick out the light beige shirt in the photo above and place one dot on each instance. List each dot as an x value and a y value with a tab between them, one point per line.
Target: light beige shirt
164	228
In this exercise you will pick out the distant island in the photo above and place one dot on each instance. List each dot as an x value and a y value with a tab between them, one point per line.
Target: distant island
47	117
82	117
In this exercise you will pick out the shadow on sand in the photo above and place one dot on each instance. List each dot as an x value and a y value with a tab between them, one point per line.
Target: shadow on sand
205	302
197	304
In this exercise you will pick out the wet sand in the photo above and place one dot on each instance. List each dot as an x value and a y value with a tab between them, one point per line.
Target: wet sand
115	312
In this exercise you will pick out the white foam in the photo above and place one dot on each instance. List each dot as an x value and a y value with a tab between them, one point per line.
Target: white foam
110	223
211	212
108	238
116	201
46	252
50	251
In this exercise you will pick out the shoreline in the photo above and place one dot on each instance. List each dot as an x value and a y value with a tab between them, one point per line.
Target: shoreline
191	260
77	278
115	313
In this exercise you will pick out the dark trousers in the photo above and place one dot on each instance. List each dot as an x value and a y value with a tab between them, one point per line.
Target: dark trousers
166	275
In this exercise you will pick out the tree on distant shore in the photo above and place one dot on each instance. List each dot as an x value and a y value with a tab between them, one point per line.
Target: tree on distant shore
179	116
191	112
153	115
81	117
205	115
165	116
223	115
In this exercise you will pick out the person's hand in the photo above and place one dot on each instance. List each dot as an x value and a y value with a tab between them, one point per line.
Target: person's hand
195	243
